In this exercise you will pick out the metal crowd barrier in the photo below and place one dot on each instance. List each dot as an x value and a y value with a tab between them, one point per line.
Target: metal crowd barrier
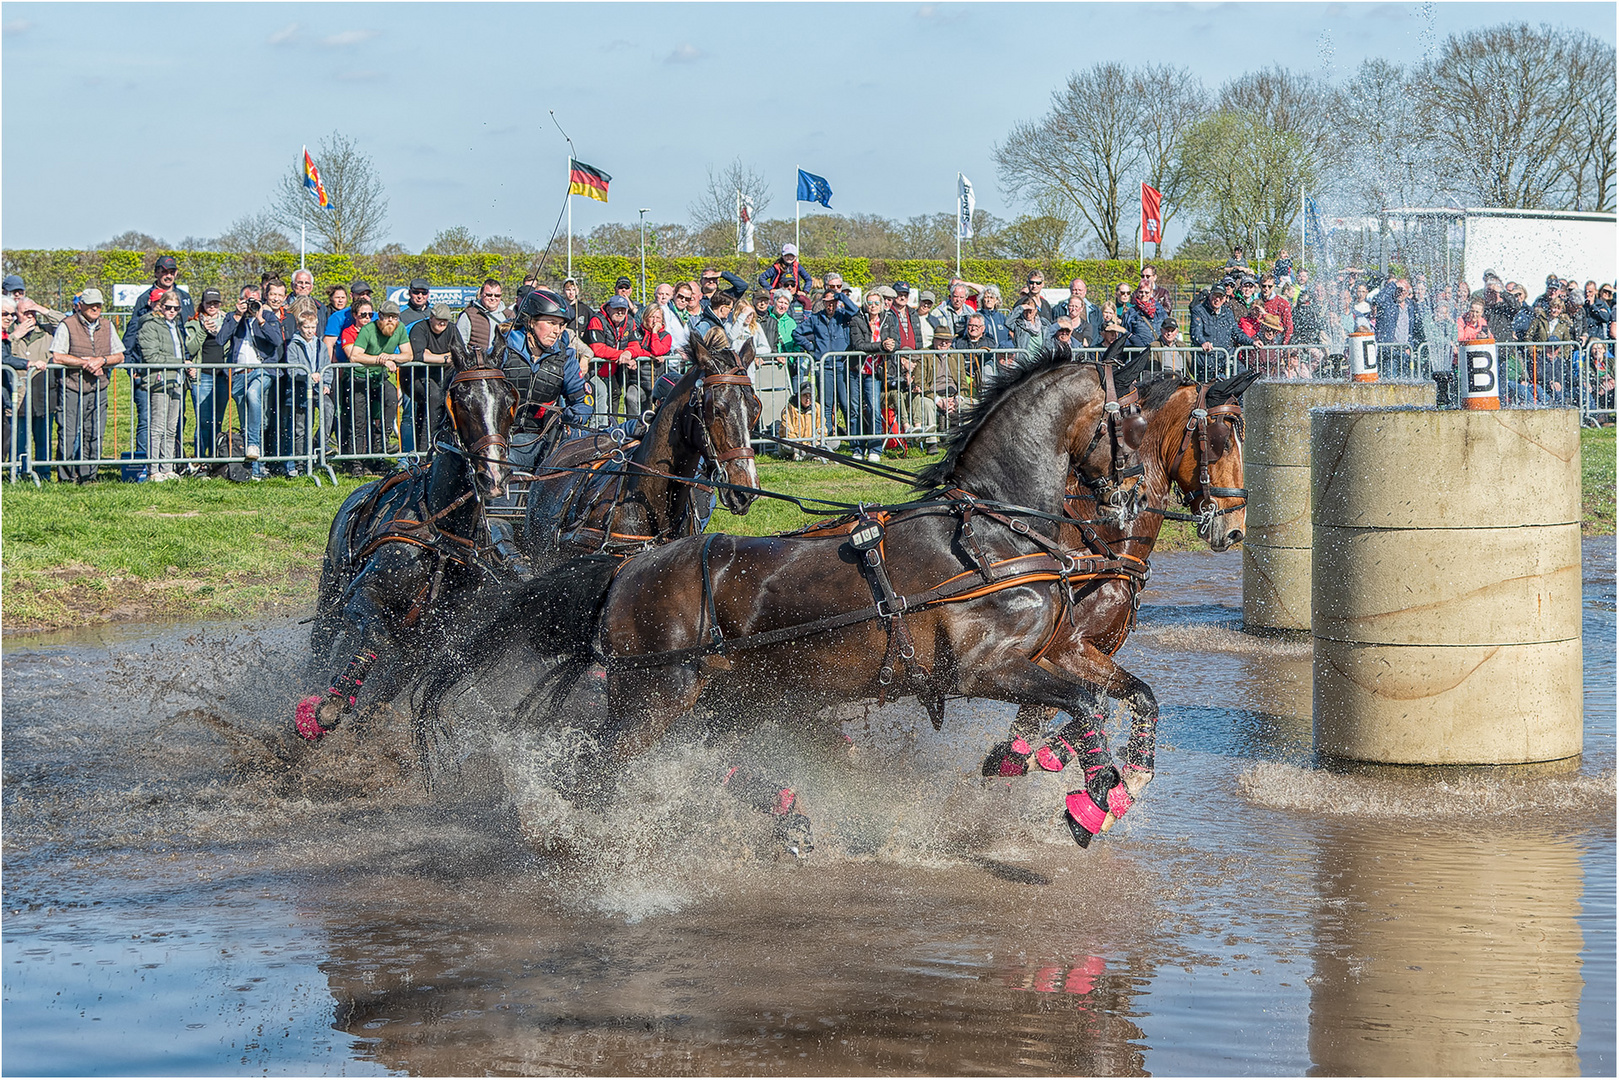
83	425
1546	375
1597	383
373	417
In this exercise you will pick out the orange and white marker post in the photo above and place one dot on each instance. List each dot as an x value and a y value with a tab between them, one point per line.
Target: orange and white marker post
1481	373
1362	356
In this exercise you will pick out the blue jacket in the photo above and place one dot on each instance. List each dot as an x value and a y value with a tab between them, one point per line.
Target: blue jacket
1217	328
1597	317
576	399
1138	332
1388	313
997	329
267	340
1093	315
822	332
777	277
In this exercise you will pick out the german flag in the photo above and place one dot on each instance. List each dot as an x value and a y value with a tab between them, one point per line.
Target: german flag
587	180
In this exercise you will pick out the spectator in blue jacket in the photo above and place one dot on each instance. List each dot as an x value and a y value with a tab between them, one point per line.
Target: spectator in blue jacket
786	273
826	330
1214	326
996	328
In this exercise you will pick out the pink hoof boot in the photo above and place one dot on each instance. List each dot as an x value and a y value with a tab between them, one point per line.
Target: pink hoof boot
1009	758
1085	819
307	716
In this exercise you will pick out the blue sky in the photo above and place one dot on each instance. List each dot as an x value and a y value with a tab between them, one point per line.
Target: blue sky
886	100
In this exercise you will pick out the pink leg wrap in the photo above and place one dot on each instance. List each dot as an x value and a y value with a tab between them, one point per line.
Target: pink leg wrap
1085	811
1053	758
1119	801
784	801
304	717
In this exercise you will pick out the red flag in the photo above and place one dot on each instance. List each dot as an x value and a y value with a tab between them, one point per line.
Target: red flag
1152	222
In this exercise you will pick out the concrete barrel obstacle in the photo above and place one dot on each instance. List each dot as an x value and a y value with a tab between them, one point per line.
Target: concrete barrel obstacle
1276	471
1446	585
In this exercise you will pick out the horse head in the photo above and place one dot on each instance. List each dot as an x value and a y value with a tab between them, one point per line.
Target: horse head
726	409
1108	461
481	405
1206	464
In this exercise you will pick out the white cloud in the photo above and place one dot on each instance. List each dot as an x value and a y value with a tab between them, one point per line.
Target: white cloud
684	54
16	27
345	38
286	35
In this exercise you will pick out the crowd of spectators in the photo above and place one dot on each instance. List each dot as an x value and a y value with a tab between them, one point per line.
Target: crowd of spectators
893	359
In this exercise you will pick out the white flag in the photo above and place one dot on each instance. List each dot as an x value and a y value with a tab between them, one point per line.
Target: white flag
745	221
964	207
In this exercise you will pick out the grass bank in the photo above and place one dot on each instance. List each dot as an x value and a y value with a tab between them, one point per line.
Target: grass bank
76	556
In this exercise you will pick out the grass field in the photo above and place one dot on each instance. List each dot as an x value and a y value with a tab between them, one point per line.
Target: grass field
75	556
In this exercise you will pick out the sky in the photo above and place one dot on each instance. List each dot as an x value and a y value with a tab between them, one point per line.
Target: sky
177	119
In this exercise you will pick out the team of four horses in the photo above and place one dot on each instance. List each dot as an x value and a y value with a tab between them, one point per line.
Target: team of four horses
1012	573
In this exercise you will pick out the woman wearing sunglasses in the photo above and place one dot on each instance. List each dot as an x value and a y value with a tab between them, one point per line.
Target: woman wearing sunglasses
168	343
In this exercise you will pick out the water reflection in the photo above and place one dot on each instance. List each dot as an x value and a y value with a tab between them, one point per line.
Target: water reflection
1442	953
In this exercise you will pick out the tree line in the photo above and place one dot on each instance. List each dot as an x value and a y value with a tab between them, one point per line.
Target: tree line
1510	115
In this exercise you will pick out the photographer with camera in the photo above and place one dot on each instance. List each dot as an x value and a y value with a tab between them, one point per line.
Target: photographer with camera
250	337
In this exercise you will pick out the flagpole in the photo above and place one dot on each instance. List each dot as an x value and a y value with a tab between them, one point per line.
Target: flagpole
570	217
1304	224
958	224
797	209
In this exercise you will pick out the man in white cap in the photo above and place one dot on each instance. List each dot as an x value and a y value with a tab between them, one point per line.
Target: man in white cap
86	345
786	272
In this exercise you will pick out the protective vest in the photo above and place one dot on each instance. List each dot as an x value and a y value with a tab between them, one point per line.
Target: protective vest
479	329
537	384
84	341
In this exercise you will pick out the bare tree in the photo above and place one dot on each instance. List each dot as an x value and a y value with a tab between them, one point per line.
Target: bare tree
1248	178
1287	102
1040	237
1376	116
1497	119
1174	102
1075	160
252	233
1592	149
133	240
456	240
717	204
358	212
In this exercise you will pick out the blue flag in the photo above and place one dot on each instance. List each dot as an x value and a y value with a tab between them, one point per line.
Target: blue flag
1312	220
812	188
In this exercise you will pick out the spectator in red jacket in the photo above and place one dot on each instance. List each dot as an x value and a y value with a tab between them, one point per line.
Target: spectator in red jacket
1275	303
610	333
650	359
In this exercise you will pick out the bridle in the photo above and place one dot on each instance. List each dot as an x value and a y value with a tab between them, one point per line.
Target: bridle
1121	422
1195	437
701	406
475	451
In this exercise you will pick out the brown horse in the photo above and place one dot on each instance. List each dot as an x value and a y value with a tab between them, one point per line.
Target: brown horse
602	493
1193	444
407	551
968	587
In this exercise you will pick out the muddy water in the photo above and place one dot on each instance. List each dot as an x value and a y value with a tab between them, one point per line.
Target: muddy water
189	890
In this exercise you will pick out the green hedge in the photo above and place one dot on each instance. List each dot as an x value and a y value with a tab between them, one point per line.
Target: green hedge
58	275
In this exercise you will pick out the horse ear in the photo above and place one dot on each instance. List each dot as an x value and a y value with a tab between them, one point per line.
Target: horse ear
460	358
1232	389
1114	351
745	356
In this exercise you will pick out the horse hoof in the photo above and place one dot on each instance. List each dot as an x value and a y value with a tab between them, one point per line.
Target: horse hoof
305	718
1135	780
1009	758
792	831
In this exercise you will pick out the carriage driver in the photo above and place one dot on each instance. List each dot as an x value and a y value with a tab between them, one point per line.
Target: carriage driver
552	393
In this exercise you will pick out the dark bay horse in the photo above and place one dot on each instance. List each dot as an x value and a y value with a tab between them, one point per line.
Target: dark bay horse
1193	444
959	595
407	551
601	494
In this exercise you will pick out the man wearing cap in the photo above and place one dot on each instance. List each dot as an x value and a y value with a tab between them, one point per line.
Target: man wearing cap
45	318
1214	326
826	330
542	367
164	272
609	337
624	287
430	342
1085	318
924	317
415	309
84	344
785	272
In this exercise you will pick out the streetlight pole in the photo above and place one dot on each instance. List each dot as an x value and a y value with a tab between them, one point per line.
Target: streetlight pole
644	210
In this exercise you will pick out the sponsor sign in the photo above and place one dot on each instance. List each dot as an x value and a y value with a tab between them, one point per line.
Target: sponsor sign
457	296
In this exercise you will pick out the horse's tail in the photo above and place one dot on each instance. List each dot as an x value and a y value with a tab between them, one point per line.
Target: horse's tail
555	615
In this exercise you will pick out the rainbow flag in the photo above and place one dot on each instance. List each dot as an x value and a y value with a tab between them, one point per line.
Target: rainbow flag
587	180
312	181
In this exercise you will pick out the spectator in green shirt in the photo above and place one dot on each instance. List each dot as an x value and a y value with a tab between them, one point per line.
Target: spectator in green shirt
382	346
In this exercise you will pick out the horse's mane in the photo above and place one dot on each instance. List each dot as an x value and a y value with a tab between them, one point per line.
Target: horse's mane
997	381
1156	391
